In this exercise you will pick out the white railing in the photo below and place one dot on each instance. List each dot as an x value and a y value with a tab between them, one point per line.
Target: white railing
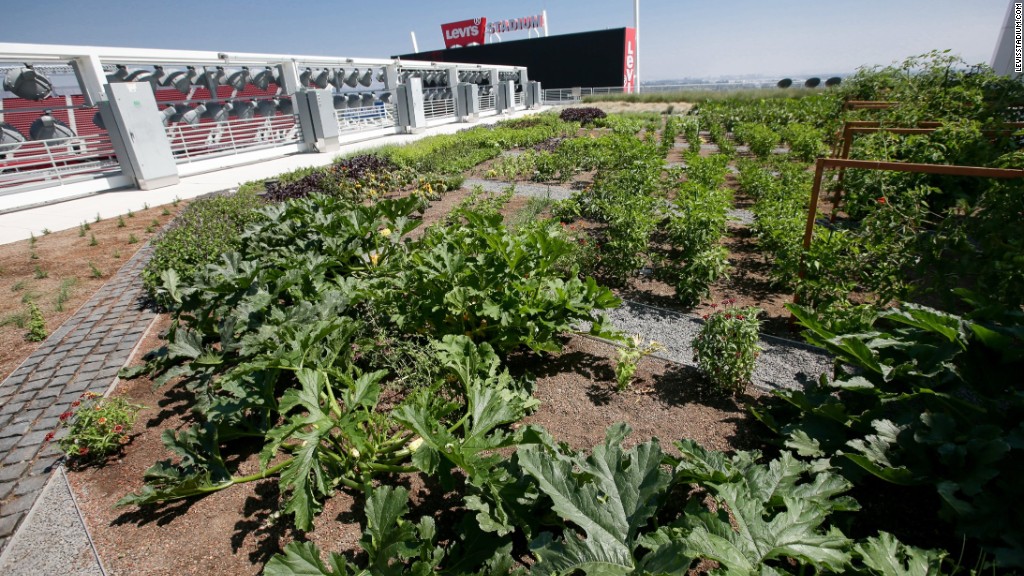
440	108
518	98
487	102
42	163
366	118
569	95
206	140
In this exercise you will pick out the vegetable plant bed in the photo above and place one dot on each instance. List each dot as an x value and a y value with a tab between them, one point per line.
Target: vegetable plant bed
229	532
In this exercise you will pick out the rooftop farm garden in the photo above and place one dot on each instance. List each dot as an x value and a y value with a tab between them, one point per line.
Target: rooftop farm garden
364	330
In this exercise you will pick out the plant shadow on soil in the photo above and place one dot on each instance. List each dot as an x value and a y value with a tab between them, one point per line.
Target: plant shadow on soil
258	521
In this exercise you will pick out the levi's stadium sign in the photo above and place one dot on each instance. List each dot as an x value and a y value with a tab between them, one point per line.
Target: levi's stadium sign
527	23
464	33
475	31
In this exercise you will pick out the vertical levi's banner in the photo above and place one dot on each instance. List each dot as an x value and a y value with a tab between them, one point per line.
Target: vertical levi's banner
629	62
464	33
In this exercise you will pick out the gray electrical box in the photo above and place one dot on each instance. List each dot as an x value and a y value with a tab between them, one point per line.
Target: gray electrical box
324	120
505	100
468	102
534	95
138	136
411	117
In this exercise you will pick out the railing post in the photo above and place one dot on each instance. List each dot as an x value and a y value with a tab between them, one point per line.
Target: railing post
411	117
138	136
453	86
468	102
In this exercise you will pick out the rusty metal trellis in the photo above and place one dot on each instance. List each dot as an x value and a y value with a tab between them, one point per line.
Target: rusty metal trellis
854	127
830	163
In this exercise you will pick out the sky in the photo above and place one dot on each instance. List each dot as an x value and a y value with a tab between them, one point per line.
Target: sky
678	38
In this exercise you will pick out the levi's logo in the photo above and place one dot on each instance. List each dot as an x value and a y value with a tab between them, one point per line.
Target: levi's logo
467	32
464	32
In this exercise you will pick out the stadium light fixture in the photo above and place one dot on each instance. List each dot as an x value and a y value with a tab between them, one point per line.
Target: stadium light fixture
27	83
263	79
46	127
267	108
191	118
352	79
10	138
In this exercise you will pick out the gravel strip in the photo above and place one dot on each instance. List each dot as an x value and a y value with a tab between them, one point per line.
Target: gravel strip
742	216
52	539
535	190
782	363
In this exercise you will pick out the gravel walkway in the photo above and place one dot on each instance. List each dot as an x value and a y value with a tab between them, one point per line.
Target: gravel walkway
782	363
52	539
522	189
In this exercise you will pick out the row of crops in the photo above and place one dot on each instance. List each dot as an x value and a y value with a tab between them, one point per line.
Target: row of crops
318	326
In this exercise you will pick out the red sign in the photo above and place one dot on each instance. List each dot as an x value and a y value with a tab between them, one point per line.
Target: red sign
629	62
464	33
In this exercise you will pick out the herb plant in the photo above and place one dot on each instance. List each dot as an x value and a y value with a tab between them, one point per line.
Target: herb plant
726	347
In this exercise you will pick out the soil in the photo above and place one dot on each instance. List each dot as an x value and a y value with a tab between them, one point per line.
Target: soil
64	259
229	532
232	531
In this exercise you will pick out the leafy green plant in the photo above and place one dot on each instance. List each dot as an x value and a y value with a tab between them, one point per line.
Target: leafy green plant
726	347
761	139
46	231
39	273
133	239
120	222
32	239
64	293
691	131
165	211
805	142
96	427
619	511
17	319
207	228
693	227
92	240
922	397
630	355
94	271
508	288
36	324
